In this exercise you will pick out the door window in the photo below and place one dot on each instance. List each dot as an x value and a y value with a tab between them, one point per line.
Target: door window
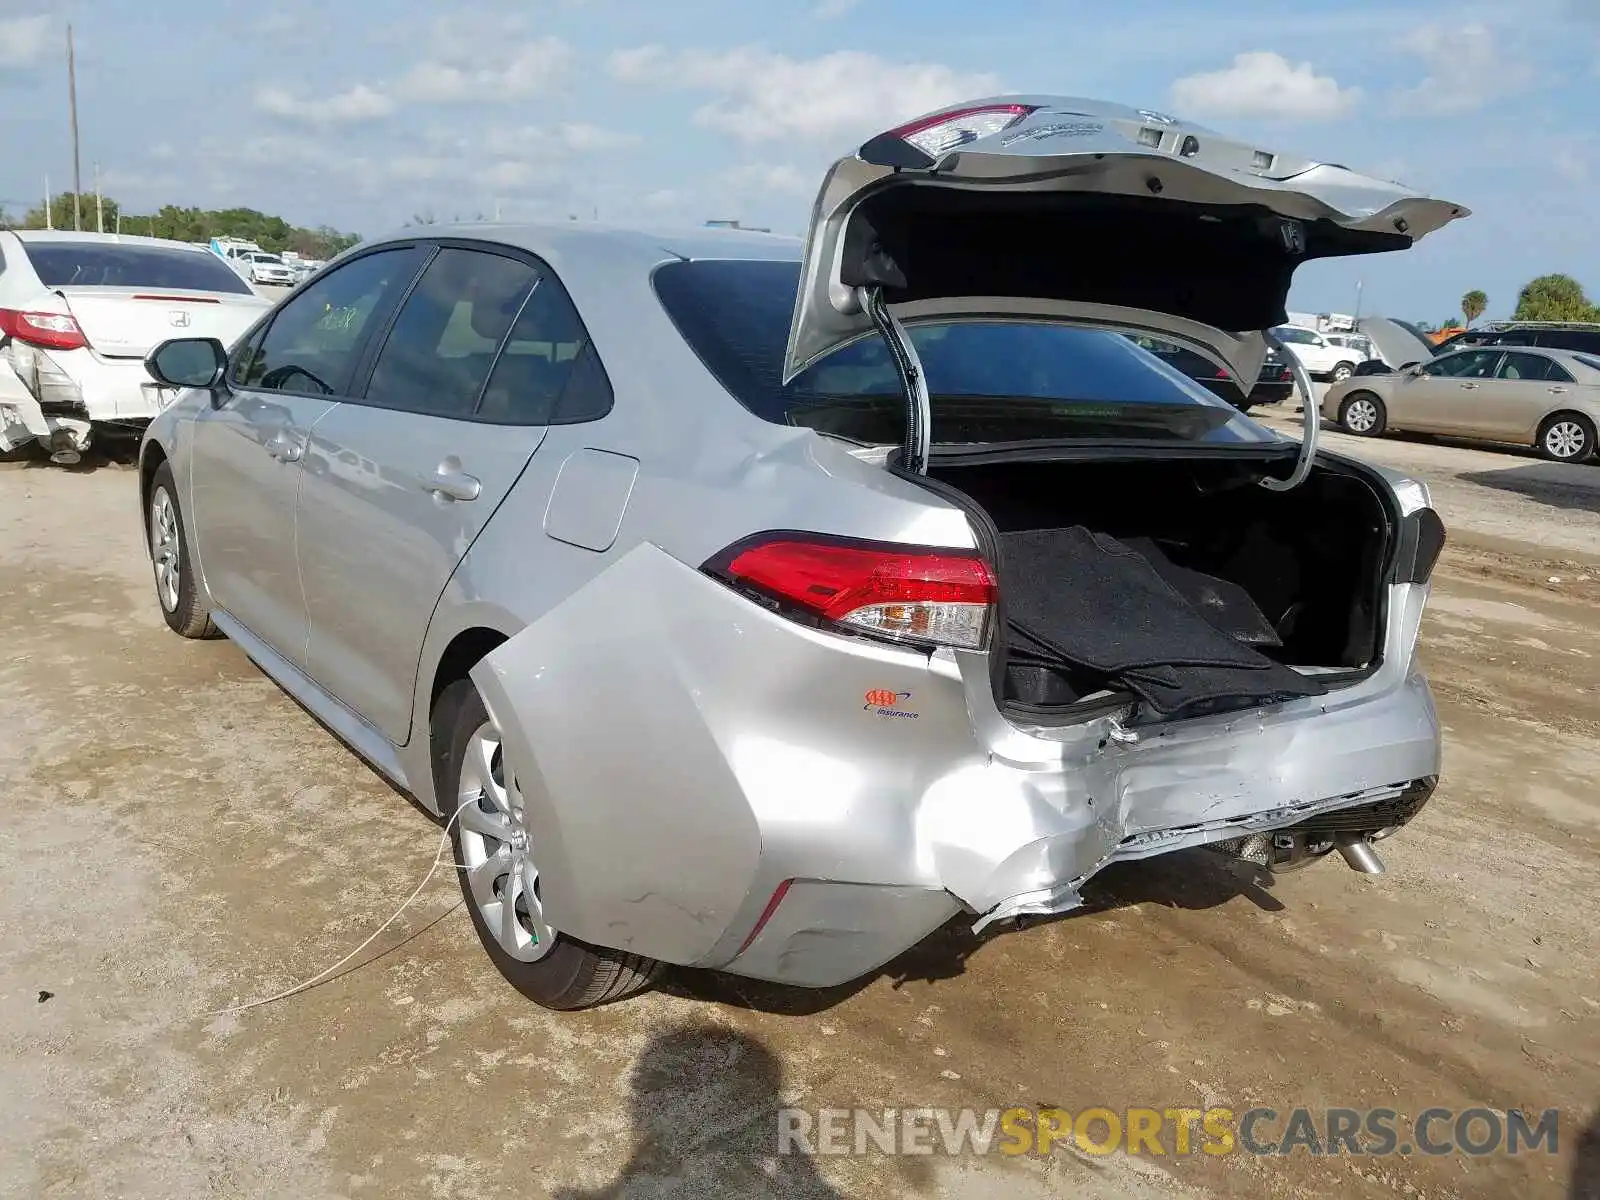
1533	367
1468	364
314	342
549	372
443	344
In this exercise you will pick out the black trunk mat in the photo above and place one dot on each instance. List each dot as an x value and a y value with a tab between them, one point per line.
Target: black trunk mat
1088	601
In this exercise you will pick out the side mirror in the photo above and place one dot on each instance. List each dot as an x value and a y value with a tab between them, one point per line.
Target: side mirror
188	363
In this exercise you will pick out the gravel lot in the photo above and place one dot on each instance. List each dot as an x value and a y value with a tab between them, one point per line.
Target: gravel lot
179	835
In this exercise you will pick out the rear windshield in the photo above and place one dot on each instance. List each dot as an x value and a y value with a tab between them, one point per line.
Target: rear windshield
989	380
100	264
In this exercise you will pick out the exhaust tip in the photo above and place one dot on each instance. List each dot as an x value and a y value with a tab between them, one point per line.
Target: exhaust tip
1359	855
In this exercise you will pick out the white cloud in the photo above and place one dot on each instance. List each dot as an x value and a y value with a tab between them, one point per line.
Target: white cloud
765	179
360	103
832	10
772	97
1570	165
491	75
579	135
1466	67
22	40
1261	83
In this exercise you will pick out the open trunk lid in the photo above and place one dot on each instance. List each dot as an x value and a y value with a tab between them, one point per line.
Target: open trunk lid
1082	210
130	322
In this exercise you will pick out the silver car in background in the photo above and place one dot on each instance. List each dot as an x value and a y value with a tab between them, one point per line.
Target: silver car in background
760	605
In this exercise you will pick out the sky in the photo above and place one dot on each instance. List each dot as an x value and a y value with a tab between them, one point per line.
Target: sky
363	114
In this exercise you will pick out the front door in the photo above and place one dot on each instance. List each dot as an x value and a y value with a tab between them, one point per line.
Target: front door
399	485
1446	394
249	446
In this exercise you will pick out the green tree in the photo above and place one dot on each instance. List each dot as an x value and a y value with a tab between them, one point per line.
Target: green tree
183	224
1554	298
1473	305
61	213
1451	323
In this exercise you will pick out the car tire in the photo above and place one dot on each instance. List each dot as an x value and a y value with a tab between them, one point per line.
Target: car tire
1363	414
167	539
1566	437
1343	371
549	968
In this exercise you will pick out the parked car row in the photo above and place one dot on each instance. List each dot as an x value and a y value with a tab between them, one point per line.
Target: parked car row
760	604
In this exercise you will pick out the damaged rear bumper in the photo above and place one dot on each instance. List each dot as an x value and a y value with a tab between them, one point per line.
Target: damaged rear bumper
710	784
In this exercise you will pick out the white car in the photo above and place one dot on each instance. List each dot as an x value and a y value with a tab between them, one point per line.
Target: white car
78	314
1322	356
261	267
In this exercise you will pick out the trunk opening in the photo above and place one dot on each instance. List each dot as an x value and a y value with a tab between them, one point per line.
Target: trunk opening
1177	582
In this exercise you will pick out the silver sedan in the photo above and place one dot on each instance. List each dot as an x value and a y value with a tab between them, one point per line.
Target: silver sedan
761	605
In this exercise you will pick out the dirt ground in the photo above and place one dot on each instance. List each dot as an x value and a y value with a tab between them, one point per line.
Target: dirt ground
176	835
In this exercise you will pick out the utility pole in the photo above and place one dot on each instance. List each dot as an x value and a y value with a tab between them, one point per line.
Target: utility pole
72	99
49	218
99	203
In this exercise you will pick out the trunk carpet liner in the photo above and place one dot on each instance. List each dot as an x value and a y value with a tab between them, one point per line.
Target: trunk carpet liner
1088	600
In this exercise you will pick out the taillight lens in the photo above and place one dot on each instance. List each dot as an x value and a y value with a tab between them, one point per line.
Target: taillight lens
53	331
923	596
938	135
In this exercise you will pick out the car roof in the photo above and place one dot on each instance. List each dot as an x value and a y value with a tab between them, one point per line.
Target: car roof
591	242
108	239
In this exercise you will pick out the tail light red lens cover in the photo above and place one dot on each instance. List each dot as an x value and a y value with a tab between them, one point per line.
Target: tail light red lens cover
929	596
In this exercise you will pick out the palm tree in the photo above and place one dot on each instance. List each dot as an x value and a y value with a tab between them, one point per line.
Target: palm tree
1473	305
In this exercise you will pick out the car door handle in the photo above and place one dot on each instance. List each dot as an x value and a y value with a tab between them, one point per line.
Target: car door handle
284	448
1559	391
451	484
1469	385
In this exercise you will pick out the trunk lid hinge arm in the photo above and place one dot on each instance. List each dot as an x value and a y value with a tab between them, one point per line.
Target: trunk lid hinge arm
919	407
1310	426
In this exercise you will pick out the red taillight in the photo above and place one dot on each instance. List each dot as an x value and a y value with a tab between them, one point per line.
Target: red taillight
53	331
929	596
943	132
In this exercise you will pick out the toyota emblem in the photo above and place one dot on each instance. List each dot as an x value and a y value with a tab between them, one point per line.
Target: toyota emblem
178	317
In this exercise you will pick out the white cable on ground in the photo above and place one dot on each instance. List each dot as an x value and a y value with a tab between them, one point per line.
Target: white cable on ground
438	857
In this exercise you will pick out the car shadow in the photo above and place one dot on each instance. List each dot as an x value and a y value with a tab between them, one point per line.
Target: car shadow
1586	1162
117	455
704	1105
1189	879
1559	485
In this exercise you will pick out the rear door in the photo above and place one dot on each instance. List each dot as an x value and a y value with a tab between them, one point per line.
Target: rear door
248	446
399	485
1526	387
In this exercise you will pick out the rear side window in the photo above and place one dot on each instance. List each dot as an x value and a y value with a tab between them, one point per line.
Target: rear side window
549	372
438	354
102	264
1533	367
989	380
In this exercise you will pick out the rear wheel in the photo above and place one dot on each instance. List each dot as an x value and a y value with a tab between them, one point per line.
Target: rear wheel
1362	414
497	864
1567	437
172	562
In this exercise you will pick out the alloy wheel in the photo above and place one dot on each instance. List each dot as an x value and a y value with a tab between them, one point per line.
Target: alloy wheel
1566	440
1360	415
166	548
497	852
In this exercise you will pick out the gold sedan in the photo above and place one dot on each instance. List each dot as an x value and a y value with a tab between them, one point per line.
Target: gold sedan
1547	399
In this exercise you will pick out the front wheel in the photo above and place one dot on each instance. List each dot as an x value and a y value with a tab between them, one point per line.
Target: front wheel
1567	437
497	861
172	562
1343	371
1362	414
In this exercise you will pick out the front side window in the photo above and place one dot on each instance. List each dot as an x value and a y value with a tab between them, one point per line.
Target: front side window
129	265
313	343
443	343
1465	364
990	380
